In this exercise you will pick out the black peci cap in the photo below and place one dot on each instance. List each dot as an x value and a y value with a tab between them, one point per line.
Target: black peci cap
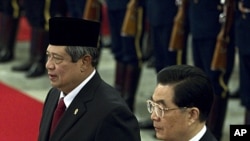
68	31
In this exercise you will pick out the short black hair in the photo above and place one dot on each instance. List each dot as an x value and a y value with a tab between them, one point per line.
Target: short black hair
192	87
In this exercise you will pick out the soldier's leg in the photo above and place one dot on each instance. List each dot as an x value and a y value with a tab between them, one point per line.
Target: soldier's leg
8	29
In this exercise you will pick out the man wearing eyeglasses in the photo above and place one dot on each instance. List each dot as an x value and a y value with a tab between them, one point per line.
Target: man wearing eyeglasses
181	103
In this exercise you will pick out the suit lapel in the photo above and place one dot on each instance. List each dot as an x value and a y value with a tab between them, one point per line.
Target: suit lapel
50	105
208	136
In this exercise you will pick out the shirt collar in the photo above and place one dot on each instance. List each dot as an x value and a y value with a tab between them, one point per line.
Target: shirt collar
198	136
71	95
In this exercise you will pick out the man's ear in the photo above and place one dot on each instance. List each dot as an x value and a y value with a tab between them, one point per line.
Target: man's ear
85	62
86	59
194	114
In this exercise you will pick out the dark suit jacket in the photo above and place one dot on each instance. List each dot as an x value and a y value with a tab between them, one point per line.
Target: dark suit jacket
208	136
98	113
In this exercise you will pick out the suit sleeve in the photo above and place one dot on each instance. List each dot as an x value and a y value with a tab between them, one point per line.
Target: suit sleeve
120	125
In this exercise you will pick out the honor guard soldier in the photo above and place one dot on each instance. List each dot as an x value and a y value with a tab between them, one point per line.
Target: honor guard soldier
204	27
37	13
243	44
127	50
161	15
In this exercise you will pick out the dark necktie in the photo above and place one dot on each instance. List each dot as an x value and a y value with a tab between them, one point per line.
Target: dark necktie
57	115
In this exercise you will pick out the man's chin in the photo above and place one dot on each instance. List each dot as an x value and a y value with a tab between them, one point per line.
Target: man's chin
54	84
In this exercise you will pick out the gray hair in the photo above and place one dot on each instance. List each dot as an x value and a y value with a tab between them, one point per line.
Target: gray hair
76	52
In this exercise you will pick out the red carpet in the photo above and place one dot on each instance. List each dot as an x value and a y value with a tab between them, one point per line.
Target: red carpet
19	115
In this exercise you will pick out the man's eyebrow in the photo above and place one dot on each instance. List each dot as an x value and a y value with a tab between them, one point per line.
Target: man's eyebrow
159	101
54	54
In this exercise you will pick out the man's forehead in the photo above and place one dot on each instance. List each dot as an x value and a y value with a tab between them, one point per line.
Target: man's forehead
56	49
163	94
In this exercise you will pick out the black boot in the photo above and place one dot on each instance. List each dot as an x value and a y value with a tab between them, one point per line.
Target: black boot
36	69
8	31
131	81
39	43
24	66
217	116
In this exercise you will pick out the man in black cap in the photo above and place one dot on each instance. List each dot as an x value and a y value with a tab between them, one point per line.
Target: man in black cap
92	109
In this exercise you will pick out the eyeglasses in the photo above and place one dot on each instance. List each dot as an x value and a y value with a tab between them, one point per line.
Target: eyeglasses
158	109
